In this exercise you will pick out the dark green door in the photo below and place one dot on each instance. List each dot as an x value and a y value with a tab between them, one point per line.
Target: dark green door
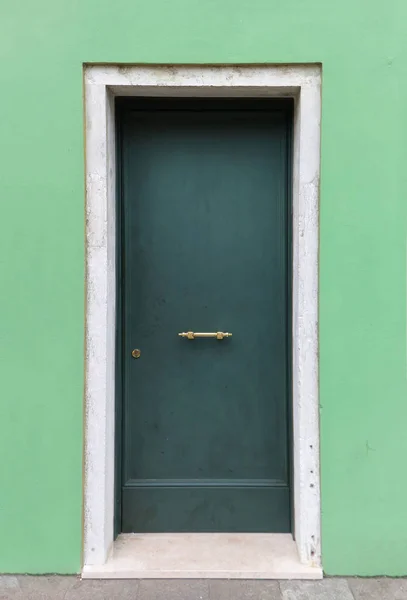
205	221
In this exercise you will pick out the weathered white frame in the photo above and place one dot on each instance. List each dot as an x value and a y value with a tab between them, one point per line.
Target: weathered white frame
102	84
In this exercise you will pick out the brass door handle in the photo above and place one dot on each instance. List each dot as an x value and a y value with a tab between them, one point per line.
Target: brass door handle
191	335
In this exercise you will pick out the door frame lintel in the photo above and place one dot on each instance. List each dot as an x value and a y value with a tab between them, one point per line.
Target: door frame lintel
101	84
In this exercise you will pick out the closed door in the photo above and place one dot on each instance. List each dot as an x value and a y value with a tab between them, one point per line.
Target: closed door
205	230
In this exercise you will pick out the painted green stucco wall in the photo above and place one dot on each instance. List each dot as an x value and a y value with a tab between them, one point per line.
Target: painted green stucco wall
363	386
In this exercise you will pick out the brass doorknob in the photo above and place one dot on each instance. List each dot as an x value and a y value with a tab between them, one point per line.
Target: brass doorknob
136	353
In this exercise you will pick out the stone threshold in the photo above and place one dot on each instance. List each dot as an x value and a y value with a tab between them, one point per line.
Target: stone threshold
203	556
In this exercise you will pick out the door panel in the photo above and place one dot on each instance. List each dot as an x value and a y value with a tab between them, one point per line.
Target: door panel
205	246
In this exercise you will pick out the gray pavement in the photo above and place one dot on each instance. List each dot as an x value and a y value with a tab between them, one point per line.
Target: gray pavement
54	587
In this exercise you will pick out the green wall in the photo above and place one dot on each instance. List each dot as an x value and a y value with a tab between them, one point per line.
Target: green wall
361	44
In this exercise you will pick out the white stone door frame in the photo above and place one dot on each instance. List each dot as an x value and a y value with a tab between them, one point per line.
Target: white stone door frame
101	85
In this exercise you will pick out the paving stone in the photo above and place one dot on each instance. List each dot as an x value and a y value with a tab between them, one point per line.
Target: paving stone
173	589
26	587
9	588
327	589
379	589
112	589
244	590
35	587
